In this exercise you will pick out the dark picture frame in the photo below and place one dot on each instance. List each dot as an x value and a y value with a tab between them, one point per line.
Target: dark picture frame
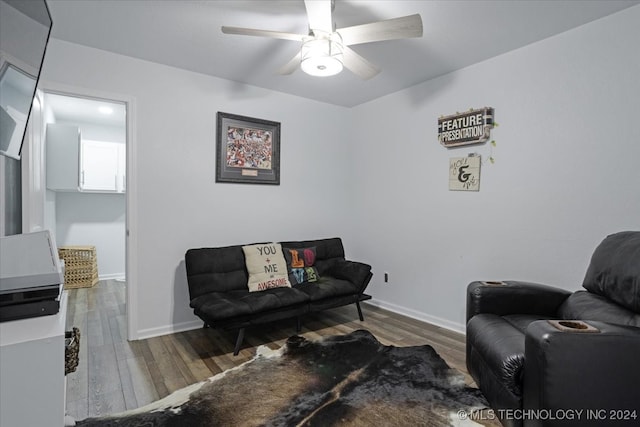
247	150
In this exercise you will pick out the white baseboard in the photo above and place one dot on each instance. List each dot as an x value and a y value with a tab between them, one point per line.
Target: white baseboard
110	276
169	329
195	324
414	314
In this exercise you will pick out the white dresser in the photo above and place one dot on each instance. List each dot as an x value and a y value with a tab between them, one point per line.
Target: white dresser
32	380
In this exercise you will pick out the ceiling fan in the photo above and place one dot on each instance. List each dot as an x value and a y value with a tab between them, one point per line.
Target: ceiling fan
325	50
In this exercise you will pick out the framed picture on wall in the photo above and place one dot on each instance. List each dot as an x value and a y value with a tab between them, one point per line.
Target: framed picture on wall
247	150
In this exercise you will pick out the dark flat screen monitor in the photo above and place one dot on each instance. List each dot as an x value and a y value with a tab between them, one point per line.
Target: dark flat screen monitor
25	27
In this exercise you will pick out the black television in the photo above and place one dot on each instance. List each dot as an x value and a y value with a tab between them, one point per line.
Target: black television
25	27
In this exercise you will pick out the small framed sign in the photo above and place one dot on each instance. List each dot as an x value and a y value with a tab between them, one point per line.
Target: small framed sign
464	173
248	150
471	127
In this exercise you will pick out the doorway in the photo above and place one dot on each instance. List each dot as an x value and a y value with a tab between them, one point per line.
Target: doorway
94	209
86	177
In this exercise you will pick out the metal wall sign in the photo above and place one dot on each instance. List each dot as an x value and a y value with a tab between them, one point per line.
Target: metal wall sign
464	173
471	127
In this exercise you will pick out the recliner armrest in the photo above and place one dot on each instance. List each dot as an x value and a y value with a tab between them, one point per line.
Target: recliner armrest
355	272
514	297
596	371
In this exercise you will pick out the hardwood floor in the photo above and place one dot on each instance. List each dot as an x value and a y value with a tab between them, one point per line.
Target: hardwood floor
116	375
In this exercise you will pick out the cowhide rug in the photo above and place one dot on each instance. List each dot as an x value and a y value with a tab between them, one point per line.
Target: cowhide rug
347	380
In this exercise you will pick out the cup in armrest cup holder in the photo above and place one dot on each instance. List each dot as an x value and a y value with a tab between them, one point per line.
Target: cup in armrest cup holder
493	283
573	326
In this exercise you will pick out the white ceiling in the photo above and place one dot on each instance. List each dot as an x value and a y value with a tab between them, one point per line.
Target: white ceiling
186	34
83	110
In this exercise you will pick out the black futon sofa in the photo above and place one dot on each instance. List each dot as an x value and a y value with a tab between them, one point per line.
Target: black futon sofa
217	279
545	356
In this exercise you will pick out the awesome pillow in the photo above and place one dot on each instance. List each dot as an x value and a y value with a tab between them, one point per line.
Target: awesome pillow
266	267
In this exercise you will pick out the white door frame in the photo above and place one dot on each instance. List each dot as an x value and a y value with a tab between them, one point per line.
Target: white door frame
33	168
131	227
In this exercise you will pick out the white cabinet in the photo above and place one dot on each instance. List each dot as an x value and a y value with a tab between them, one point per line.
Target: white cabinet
102	166
33	386
77	164
63	157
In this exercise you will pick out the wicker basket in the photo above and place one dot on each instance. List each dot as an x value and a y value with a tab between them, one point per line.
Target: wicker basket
80	266
71	350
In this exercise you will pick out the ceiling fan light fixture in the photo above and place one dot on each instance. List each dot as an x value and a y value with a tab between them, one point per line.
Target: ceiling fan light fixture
322	57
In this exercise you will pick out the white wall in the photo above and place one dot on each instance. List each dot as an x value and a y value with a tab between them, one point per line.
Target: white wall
564	176
566	171
179	205
94	219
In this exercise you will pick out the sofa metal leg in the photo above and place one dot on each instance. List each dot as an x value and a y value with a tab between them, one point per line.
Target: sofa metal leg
298	325
359	311
239	340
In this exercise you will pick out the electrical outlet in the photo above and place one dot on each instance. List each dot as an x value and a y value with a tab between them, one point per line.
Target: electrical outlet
386	277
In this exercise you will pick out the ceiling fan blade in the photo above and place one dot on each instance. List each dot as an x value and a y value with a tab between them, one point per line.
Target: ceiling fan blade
390	29
319	15
290	66
358	65
263	33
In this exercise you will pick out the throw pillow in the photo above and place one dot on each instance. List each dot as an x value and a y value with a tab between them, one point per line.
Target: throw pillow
266	267
301	264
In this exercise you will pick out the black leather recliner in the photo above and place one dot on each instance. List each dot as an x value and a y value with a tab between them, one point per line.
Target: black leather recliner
544	356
